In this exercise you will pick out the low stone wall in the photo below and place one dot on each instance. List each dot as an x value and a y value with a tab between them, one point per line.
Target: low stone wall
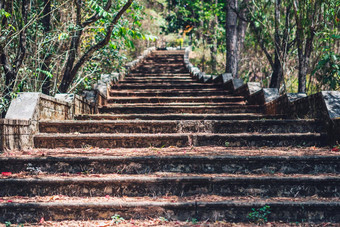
323	105
335	131
78	104
27	109
14	134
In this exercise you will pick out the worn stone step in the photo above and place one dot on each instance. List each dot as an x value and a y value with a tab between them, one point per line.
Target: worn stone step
52	140
181	109
261	139
175	161
235	116
181	126
160	69
156	80
158	75
166	86
160	79
110	140
164	59
289	210
171	104
147	71
169	93
151	99
163	81
172	184
177	63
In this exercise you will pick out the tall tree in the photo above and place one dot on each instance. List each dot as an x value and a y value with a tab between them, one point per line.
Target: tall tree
231	38
308	14
213	38
11	62
46	22
275	49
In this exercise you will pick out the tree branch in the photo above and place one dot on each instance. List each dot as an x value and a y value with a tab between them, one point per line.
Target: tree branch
102	43
22	39
96	16
264	49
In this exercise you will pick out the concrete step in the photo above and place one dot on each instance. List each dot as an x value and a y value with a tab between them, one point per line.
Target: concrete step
182	126
163	86
177	161
169	92
204	109
158	75
151	81
160	67
235	116
160	79
102	140
282	210
150	63
157	71
171	104
172	184
152	99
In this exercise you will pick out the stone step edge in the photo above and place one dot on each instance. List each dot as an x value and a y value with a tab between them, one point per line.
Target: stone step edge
179	114
143	178
266	121
177	98
239	103
184	158
119	135
167	106
225	210
221	204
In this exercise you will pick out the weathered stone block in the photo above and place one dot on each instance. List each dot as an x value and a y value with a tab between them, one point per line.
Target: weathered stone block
332	102
15	134
264	96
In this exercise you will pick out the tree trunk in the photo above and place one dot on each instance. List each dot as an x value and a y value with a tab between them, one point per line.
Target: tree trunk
46	21
277	75
242	25
304	51
11	68
213	45
231	38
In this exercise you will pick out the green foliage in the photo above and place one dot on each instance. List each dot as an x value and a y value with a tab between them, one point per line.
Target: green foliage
117	219
327	70
194	221
47	73
259	216
163	219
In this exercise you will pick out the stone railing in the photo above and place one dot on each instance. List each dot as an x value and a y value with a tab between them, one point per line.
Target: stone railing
324	105
27	109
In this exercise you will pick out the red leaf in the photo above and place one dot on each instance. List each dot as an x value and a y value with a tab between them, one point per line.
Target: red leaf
335	149
42	220
6	173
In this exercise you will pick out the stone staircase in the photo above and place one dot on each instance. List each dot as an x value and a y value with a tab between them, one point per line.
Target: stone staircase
165	145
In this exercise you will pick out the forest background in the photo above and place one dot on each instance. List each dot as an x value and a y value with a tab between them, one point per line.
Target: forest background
59	46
